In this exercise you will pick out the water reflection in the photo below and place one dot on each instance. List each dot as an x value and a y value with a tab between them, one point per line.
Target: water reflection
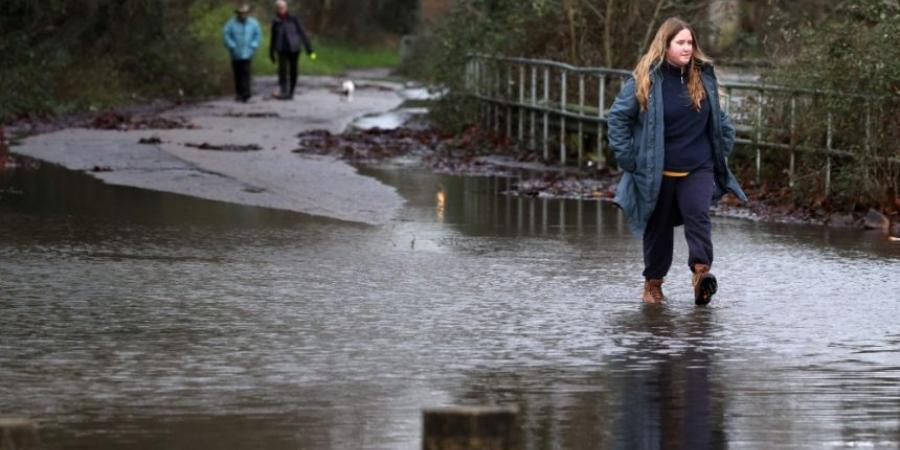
439	205
660	390
668	400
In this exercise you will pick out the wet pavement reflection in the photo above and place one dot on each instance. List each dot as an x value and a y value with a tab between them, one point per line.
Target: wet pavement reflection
138	319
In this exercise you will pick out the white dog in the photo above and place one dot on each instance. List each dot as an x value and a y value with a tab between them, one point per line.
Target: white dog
347	88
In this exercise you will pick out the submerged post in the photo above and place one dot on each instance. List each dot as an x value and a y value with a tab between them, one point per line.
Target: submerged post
546	107
532	144
521	104
793	130
580	118
498	72
471	427
18	434
508	100
828	155
759	106
563	93
601	102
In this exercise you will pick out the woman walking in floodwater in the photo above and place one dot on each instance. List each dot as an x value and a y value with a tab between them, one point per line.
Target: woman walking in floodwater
672	139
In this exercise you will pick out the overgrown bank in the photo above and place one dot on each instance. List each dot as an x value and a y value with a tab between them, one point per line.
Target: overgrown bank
60	57
481	152
74	56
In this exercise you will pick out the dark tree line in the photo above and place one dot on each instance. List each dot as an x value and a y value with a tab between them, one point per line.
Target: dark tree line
64	54
360	20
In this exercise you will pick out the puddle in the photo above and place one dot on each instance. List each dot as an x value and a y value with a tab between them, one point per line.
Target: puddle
390	120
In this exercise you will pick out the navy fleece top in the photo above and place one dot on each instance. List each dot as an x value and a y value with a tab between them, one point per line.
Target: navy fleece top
688	145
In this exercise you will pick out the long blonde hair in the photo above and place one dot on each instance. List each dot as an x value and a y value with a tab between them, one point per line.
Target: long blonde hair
656	54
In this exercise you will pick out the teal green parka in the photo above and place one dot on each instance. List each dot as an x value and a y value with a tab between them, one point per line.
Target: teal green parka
637	139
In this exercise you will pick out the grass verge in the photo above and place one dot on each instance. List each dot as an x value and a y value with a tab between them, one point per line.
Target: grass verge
333	57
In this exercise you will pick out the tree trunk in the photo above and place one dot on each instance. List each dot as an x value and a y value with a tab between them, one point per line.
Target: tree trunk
607	33
569	8
325	15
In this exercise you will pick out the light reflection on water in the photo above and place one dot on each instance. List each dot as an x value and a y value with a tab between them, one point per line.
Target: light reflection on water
147	320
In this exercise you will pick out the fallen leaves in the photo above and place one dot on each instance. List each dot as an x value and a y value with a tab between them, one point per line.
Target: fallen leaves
225	147
125	122
152	140
252	115
367	146
559	185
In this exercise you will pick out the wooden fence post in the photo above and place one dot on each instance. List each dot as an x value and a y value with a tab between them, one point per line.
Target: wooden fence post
18	434
471	428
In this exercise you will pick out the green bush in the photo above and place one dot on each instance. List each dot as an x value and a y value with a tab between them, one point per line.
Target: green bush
850	55
68	55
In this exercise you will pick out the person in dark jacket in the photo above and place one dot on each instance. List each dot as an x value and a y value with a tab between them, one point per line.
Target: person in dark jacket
672	139
287	35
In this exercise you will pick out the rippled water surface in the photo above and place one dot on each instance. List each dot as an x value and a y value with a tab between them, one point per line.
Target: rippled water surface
135	319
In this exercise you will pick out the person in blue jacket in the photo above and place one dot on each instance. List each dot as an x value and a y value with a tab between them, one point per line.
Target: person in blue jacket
672	139
241	36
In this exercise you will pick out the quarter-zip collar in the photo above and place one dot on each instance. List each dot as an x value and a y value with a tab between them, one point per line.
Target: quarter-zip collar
674	71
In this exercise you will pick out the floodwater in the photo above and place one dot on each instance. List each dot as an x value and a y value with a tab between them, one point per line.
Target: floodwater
144	320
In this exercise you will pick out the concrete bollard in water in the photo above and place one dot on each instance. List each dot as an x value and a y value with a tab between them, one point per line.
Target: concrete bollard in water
471	428
18	434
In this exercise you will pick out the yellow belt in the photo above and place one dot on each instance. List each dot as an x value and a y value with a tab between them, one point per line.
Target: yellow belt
669	173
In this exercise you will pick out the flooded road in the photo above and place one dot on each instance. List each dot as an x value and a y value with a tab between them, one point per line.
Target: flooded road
139	319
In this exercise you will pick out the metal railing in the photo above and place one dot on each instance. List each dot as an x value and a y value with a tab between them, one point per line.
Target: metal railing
508	89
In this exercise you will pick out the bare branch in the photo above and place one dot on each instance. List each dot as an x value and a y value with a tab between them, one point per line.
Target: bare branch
589	4
607	33
650	26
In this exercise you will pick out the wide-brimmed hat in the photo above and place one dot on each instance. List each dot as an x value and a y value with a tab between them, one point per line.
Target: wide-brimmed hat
244	9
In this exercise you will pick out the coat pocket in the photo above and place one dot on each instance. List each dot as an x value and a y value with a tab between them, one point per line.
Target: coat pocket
627	162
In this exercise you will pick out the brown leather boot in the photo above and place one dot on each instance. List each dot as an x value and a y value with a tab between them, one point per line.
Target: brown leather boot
653	291
705	284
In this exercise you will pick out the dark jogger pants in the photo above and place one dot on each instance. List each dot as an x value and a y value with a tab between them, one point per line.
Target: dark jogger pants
287	72
241	69
688	198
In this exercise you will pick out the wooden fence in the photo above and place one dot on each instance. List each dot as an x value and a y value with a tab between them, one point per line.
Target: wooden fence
561	110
